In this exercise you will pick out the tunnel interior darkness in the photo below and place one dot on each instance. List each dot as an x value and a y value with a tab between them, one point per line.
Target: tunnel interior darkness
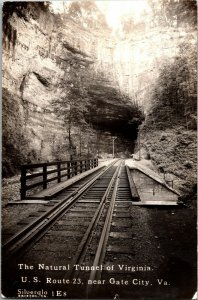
116	120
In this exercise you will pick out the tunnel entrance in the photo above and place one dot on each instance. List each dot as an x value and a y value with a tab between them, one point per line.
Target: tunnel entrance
115	122
113	114
122	146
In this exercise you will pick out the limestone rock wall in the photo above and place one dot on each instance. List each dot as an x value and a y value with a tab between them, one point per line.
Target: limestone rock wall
139	58
30	80
43	55
46	56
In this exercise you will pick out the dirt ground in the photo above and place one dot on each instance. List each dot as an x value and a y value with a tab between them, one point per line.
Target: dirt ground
12	214
167	237
164	238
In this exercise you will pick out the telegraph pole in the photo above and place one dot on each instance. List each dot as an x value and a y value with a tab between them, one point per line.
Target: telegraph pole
139	144
114	138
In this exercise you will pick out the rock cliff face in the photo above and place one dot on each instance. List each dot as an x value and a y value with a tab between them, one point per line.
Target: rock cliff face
69	85
30	81
44	57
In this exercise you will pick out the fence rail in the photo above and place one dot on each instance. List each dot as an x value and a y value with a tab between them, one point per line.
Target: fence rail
34	175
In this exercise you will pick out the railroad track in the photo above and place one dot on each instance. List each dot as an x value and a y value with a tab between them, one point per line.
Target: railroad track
107	245
49	212
86	228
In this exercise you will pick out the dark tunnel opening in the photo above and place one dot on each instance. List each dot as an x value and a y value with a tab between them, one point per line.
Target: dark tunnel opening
120	122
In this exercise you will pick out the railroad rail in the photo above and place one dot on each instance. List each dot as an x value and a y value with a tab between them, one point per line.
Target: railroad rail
45	171
76	218
83	242
18	241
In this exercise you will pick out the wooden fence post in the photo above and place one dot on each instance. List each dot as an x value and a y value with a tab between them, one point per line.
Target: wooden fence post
44	177
75	167
68	170
59	172
72	168
85	165
23	182
89	164
81	166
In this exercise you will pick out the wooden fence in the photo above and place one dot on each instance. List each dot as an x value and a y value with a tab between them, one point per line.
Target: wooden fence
35	175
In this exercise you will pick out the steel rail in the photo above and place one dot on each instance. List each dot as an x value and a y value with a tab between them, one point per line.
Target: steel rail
27	234
82	249
101	250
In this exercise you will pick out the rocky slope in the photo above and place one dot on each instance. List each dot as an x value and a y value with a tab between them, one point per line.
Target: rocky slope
69	85
173	152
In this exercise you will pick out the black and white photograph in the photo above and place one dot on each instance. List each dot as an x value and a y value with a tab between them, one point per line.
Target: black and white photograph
99	144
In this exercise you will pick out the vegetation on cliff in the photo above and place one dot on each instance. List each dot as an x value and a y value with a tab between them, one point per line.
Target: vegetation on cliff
169	131
162	13
96	83
173	99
